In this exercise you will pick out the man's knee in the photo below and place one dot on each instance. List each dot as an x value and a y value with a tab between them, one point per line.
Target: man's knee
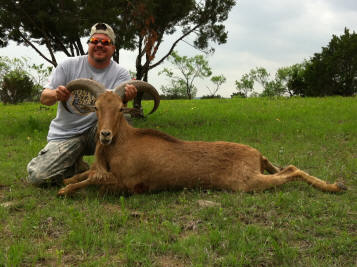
36	174
54	161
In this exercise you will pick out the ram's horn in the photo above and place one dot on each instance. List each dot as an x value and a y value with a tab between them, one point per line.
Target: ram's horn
93	87
141	86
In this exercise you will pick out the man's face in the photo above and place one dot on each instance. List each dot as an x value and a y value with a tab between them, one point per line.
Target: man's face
99	52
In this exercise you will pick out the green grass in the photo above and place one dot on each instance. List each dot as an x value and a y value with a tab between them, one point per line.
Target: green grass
293	225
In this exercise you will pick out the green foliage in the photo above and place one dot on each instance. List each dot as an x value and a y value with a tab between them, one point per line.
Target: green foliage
141	25
334	70
331	72
292	78
273	88
245	85
238	95
217	80
177	90
20	72
16	87
261	76
188	69
210	96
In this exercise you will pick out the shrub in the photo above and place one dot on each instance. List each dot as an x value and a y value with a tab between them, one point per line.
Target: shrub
210	96
238	94
16	87
18	68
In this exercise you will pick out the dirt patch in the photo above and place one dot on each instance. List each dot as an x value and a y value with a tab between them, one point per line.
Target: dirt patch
207	203
112	208
12	206
3	188
191	225
8	204
257	217
51	227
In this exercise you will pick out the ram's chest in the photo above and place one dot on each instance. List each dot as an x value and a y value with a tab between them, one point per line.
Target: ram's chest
113	158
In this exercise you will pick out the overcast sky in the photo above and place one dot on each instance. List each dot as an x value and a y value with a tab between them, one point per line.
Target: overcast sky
269	34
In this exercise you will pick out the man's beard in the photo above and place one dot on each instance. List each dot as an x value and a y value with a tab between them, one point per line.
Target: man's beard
99	59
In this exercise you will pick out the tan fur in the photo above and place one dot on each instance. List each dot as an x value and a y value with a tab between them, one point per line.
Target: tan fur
144	160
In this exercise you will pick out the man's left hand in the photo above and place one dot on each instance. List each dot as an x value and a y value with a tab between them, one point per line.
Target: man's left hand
130	92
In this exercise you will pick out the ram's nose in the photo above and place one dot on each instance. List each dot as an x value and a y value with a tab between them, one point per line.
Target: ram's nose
105	133
105	137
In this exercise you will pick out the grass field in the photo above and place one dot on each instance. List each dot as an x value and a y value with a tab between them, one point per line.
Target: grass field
292	225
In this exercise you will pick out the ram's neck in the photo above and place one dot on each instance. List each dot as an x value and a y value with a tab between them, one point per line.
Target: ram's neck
100	157
122	131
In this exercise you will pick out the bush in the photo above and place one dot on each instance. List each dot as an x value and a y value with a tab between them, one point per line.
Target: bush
238	95
210	96
16	87
17	69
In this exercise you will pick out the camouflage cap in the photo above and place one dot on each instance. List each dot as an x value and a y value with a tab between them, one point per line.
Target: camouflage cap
103	28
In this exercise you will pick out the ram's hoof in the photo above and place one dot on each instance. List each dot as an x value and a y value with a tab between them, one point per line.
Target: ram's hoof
62	192
341	186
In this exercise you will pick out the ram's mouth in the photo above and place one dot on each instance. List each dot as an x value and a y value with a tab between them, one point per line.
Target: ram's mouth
105	140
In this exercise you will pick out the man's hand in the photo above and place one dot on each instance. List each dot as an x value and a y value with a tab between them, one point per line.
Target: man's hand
62	93
130	92
49	97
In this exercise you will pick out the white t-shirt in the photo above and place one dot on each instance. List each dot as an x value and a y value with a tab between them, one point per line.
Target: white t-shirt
66	124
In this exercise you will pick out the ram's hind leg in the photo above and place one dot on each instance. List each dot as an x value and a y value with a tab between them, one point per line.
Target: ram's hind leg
261	182
294	174
268	166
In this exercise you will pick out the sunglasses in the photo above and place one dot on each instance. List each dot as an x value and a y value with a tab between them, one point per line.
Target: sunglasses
104	42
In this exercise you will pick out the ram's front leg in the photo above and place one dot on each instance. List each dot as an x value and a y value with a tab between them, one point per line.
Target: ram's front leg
101	170
71	188
77	178
102	175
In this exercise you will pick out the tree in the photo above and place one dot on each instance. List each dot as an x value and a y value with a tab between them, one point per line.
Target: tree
57	25
334	70
177	90
271	87
245	85
189	68
200	18
217	81
16	86
139	24
260	75
292	79
21	69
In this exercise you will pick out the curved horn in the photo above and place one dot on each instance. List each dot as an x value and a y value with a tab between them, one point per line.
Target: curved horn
93	87
141	86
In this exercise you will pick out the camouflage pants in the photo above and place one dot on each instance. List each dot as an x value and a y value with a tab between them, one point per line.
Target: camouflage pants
61	158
